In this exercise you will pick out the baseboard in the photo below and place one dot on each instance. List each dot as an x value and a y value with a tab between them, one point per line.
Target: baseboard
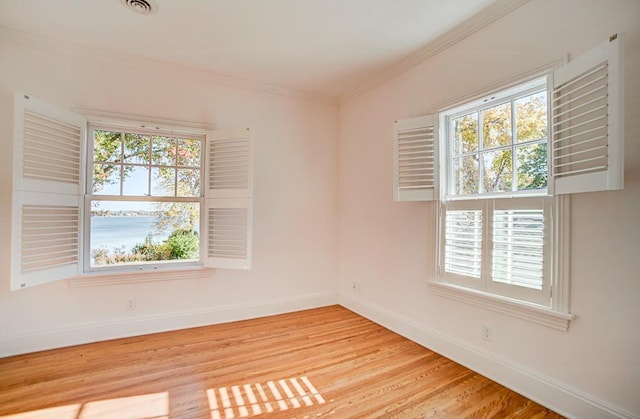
559	397
94	332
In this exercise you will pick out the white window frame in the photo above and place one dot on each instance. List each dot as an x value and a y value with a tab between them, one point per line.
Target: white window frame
486	203
571	133
89	197
50	210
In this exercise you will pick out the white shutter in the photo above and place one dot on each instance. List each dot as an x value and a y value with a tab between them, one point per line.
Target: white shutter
47	187
415	158
587	117
463	242
229	199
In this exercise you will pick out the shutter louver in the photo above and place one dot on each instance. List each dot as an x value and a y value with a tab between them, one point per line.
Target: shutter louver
415	159
50	237
518	247
463	242
228	199
51	149
46	200
587	131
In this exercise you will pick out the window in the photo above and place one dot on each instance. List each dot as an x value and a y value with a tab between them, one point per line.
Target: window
495	210
118	196
143	197
500	167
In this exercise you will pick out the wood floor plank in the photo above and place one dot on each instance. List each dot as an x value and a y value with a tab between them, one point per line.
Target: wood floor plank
325	361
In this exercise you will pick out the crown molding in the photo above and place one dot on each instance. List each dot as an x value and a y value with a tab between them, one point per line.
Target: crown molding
109	55
462	31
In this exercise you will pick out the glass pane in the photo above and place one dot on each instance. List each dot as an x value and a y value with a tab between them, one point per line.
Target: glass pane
496	126
106	179
107	146
189	153
531	117
466	175
498	172
163	181
188	182
143	232
136	180
532	166
465	131
164	151
136	148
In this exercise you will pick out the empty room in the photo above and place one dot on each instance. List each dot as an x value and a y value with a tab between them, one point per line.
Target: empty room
305	208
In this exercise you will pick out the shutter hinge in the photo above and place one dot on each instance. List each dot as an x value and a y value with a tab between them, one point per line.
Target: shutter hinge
613	37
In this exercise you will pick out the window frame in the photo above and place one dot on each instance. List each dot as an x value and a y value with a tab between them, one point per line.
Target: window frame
487	202
89	197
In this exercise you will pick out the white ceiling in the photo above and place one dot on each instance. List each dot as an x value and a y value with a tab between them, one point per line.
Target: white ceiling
326	47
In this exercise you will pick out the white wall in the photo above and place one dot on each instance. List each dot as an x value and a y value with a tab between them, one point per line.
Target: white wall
592	370
295	212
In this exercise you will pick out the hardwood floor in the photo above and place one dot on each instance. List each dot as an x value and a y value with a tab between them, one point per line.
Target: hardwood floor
326	361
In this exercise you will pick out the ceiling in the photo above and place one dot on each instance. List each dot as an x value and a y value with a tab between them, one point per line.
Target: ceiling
326	47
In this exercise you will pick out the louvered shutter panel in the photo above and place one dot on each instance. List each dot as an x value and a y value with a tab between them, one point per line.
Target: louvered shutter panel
587	148
46	198
463	242
229	199
518	247
415	159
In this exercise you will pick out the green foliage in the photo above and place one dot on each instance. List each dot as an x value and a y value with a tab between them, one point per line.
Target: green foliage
496	126
183	244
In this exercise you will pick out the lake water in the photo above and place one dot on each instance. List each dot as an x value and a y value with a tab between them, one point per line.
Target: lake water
127	231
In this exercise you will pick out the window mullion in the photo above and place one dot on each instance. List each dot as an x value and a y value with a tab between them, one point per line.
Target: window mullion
480	149
487	241
514	131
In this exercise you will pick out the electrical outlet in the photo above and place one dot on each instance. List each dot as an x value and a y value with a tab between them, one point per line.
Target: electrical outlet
485	332
130	304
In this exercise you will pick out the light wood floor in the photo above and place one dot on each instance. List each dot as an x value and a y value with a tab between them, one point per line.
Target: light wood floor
319	362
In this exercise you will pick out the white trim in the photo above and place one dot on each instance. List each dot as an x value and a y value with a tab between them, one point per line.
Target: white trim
38	340
114	277
515	308
109	55
560	397
129	121
458	34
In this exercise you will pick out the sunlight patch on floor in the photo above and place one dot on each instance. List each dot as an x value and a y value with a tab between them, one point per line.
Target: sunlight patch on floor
255	399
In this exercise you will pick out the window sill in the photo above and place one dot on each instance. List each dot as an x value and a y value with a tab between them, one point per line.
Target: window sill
115	278
522	310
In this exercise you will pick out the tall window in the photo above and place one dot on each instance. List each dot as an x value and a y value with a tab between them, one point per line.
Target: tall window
495	209
144	198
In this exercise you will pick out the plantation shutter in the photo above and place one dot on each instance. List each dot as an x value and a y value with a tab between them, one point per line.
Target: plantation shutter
46	197
587	148
229	199
414	160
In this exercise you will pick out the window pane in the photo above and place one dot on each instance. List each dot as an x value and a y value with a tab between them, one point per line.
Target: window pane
107	146
143	232
498	170
465	131
164	151
136	148
189	153
136	180
518	247
106	179
466	172
188	182
531	117
463	242
496	126
163	181
532	166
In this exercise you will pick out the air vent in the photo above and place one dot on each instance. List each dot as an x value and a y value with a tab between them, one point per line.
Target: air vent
143	7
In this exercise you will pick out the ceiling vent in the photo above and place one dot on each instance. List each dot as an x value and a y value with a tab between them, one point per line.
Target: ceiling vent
143	7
